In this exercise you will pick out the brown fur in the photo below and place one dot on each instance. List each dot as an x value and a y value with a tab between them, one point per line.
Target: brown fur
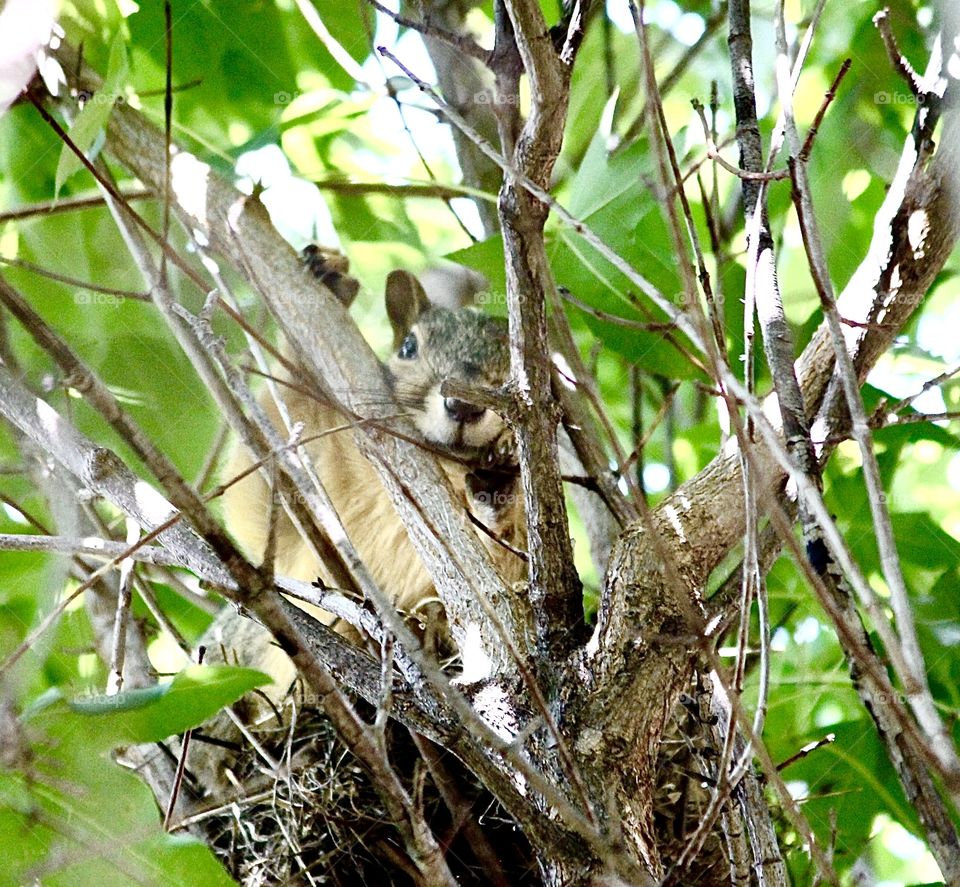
466	346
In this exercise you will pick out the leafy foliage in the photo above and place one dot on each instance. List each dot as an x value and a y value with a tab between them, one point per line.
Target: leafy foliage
66	798
252	77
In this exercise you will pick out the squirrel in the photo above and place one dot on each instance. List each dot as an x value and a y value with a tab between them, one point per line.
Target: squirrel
431	344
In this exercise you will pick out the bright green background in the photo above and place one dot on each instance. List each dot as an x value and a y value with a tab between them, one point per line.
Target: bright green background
254	76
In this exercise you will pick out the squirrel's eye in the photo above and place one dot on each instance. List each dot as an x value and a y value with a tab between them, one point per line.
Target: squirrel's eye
408	347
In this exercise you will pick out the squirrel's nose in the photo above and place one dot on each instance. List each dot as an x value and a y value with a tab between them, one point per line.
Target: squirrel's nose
461	411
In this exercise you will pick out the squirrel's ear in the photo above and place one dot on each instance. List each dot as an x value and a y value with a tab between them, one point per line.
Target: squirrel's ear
406	301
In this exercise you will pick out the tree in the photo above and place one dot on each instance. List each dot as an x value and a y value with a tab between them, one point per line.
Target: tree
627	750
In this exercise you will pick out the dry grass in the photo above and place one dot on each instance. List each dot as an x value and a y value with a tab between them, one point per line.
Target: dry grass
320	822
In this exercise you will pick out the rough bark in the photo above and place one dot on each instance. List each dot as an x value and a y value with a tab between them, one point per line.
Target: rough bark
612	696
332	349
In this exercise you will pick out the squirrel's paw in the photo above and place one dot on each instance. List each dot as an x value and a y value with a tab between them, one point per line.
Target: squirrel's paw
331	268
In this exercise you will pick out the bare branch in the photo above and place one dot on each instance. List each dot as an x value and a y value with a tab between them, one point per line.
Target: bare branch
239	228
67	204
897	59
457	41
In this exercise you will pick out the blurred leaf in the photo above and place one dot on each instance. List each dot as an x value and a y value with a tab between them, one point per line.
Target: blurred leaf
921	541
487	258
239	61
154	713
86	133
937	614
852	776
69	815
609	195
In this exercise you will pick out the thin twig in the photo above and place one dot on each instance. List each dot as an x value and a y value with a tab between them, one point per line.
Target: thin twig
458	42
713	153
181	765
615	319
67	204
808	749
897	59
822	110
150	554
74	281
118	649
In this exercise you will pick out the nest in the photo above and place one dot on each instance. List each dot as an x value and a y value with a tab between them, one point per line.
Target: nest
323	823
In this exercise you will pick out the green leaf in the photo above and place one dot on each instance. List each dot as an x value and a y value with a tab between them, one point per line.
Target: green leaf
853	776
154	713
602	176
921	541
70	815
937	613
88	129
243	59
635	230
487	258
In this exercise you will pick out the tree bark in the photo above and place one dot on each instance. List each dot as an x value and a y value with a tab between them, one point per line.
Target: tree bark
611	697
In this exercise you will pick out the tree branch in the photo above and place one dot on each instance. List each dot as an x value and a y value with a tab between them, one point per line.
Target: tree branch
332	351
555	588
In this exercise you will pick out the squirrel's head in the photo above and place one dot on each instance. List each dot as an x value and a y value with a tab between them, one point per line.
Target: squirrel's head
432	345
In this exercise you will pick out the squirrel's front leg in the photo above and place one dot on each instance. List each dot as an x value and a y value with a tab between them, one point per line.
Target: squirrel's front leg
493	487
